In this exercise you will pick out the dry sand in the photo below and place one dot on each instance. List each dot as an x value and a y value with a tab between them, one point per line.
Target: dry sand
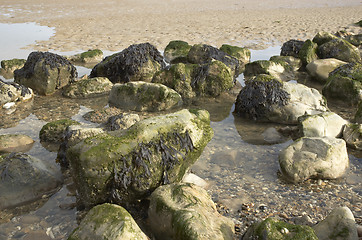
115	24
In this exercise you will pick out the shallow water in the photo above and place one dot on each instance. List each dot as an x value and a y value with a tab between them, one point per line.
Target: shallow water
239	164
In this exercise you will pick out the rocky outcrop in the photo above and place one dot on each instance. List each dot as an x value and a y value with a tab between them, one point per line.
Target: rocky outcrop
86	88
45	72
108	221
176	52
138	62
186	212
143	96
314	157
11	93
319	69
15	143
129	166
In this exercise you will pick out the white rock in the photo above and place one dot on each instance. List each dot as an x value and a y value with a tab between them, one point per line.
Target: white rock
320	68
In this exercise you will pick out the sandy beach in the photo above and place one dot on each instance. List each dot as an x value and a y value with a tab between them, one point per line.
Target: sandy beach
115	24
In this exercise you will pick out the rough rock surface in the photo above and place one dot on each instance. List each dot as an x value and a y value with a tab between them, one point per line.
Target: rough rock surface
352	134
13	92
176	52
85	88
290	63
308	52
122	121
291	48
314	157
264	67
90	56
54	131
15	143
319	69
186	212
339	49
12	64
241	54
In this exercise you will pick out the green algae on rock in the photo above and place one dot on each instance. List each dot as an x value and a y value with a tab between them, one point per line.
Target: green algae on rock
176	52
241	54
308	52
12	64
323	37
339	49
152	152
53	131
90	87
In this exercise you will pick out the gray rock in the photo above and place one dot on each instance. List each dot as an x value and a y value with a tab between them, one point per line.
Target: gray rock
291	48
339	49
15	143
143	96
45	72
108	221
327	124
319	69
85	88
122	121
352	134
338	225
26	179
314	157
176	52
13	92
185	212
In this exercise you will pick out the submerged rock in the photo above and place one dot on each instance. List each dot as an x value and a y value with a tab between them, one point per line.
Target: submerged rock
15	143
176	52
45	72
13	92
314	157
339	49
85	88
108	221
138	62
186	212
25	179
291	48
143	96
352	134
152	152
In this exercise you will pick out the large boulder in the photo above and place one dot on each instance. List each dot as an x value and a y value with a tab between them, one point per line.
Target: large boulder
291	48
90	87
108	221
241	54
265	98
45	72
326	124
338	225
319	69
314	157
273	229
186	212
339	49
15	143
138	62
308	52
130	165
26	179
345	83
352	134
143	96
176	52
13	92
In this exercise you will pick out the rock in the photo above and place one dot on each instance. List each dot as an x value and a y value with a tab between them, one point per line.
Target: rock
241	54
185	212
138	62
152	152
101	116
326	124
176	52
15	143
26	179
86	88
108	221
314	157
267	99
12	64
308	52
355	40
203	54
358	115
13	92
142	96
90	56
323	37
272	228
194	179
271	68
345	83
338	225
352	134
288	62
45	72
122	121
291	48
319	69
54	131
340	49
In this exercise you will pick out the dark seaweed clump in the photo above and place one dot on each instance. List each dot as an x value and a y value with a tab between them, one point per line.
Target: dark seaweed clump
120	67
291	48
131	169
257	97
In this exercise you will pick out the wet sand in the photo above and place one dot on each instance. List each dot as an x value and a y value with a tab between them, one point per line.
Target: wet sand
115	24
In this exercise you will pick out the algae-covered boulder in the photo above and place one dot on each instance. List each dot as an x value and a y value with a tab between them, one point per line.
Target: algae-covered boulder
12	64
319	69
345	83
54	131
108	221
25	179
45	72
264	67
323	37
186	212
290	63
291	48
326	124
13	92
15	143
138	62
265	98
338	225
176	52
340	49
314	157
241	54
90	56
90	87
274	229
355	40
143	96
352	134
129	166
121	121
308	52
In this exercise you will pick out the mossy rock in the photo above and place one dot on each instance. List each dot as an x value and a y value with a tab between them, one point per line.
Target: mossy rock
291	48
94	55
271	68
12	64
290	63
352	134
355	40
176	52
53	131
274	229
323	37
339	49
308	52
359	23
242	54
90	87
